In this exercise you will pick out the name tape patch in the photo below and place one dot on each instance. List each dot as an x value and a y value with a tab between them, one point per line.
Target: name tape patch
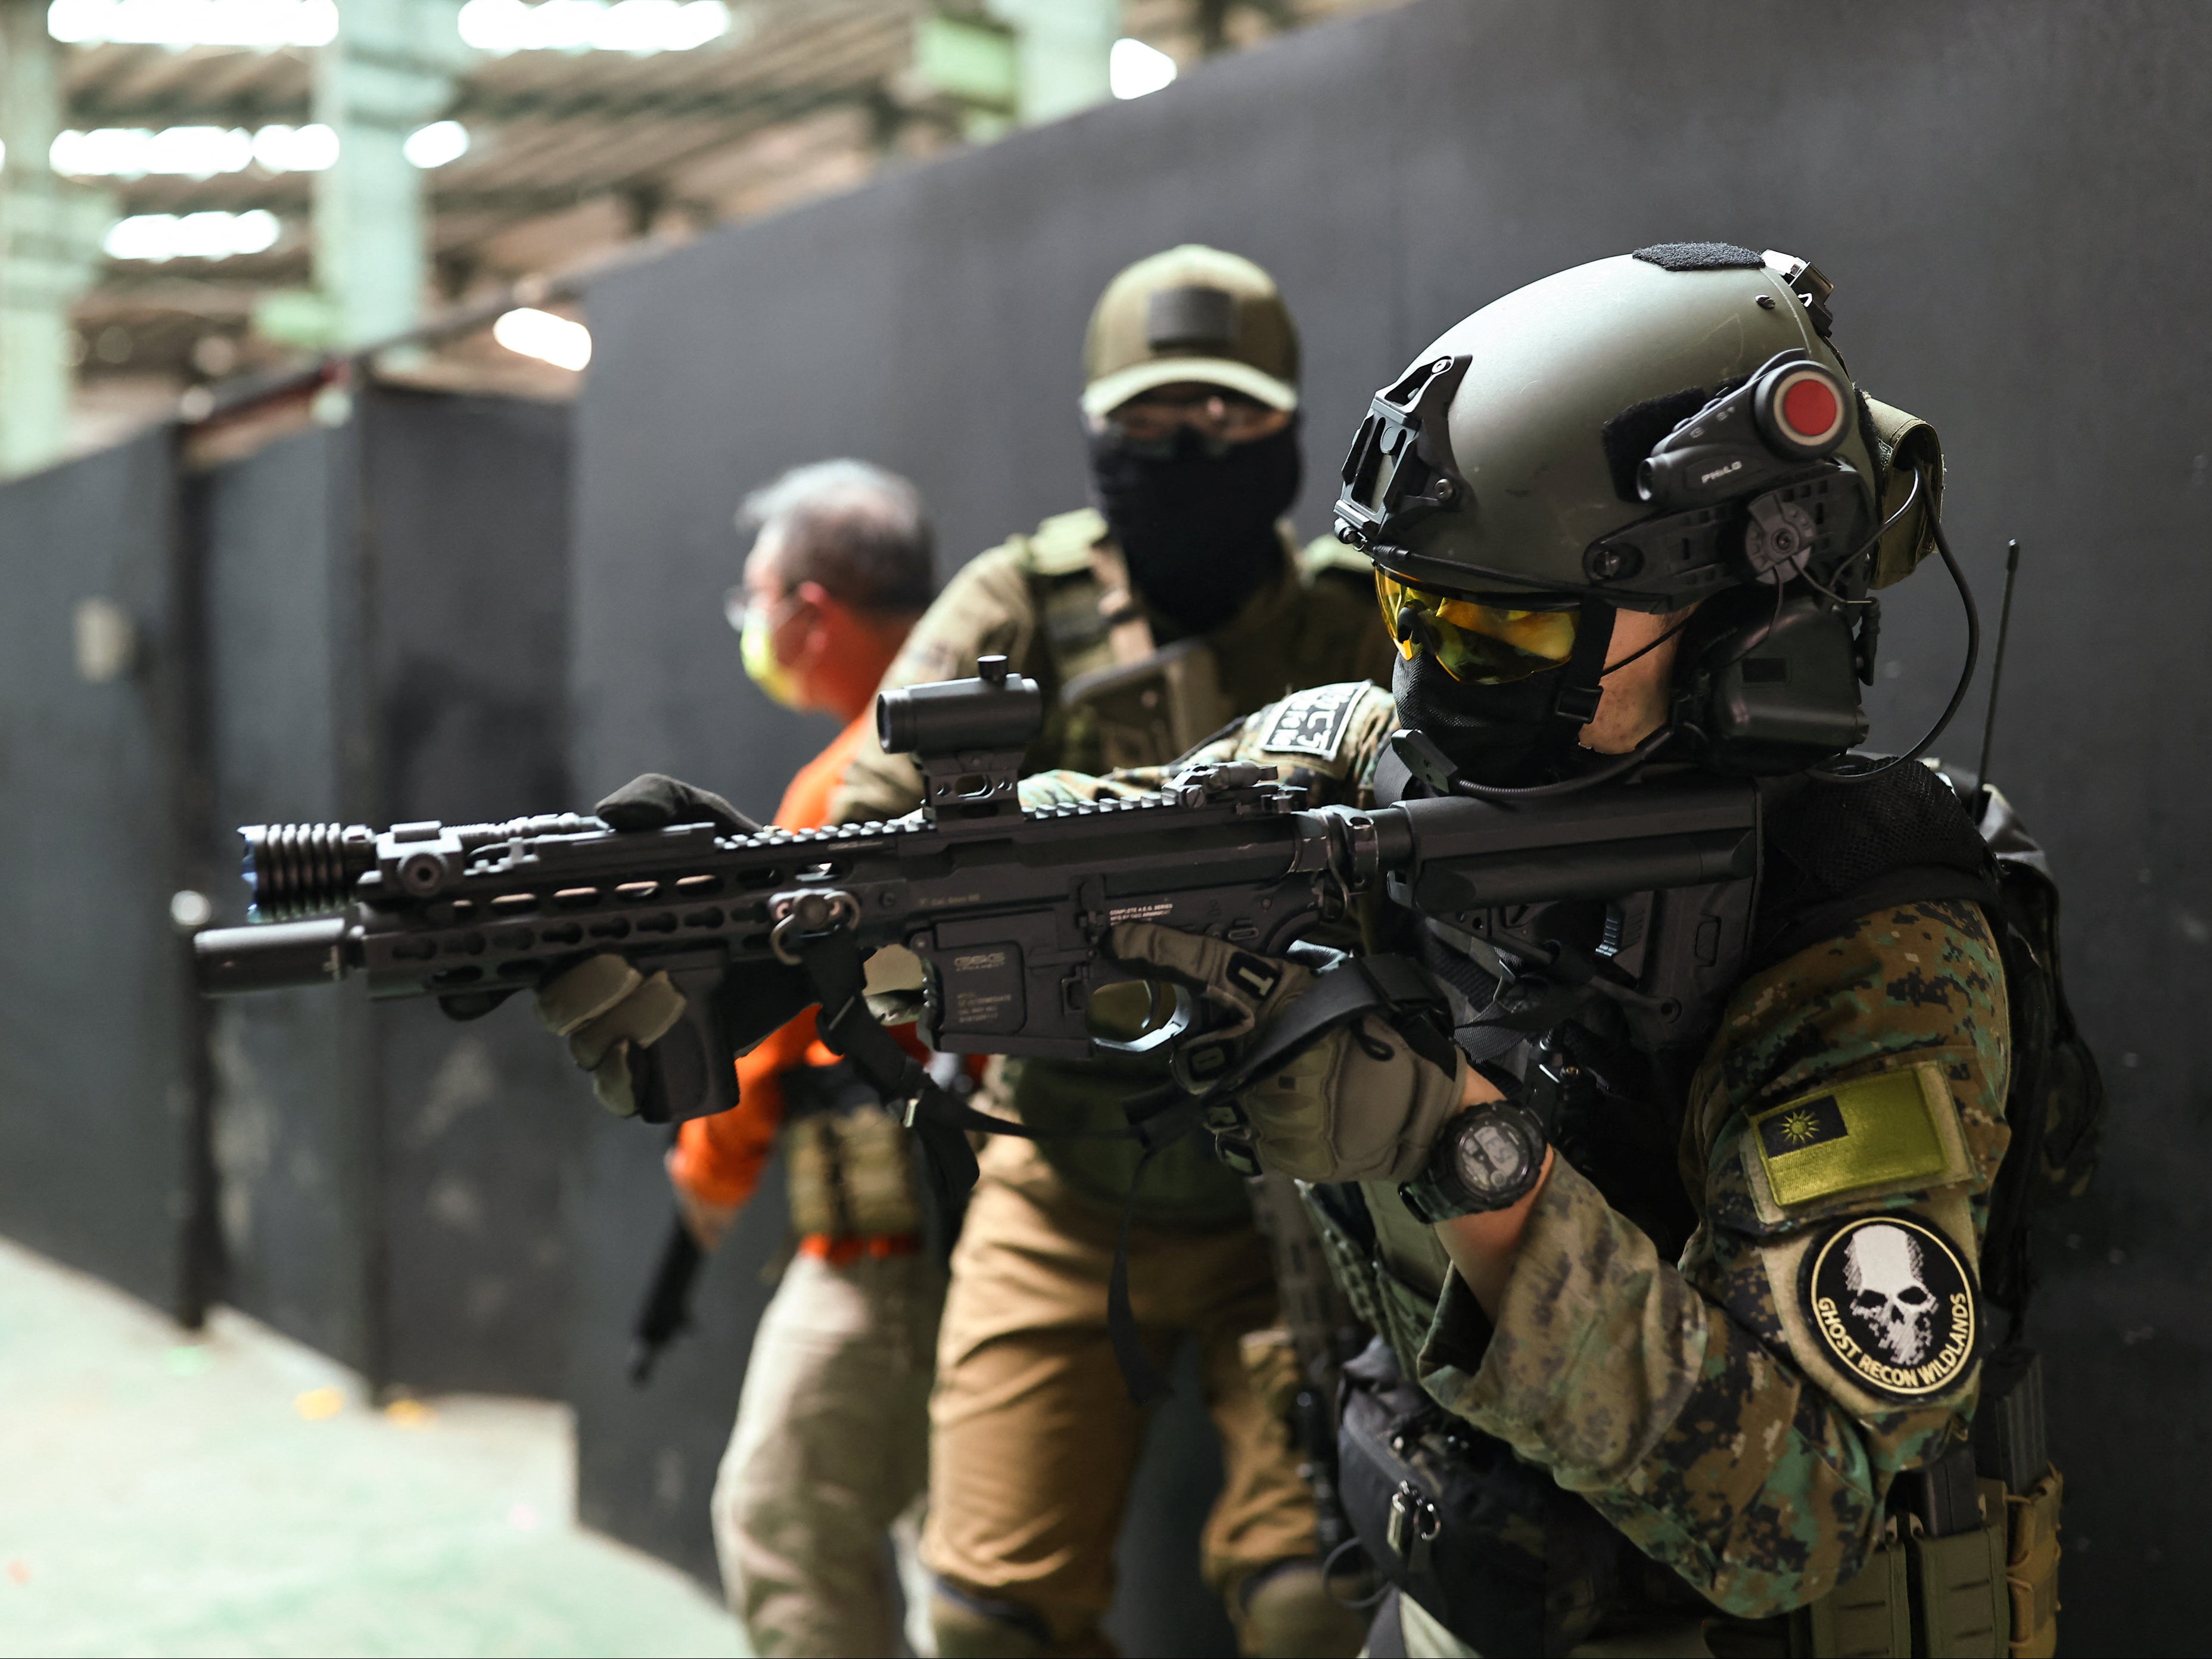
1313	722
1871	1132
1892	1304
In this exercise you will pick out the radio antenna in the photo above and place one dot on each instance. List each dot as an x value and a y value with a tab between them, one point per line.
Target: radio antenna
1996	674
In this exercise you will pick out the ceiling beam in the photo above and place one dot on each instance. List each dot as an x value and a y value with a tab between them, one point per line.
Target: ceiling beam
771	103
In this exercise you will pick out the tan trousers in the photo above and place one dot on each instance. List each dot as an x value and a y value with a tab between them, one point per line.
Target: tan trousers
1034	1436
832	1446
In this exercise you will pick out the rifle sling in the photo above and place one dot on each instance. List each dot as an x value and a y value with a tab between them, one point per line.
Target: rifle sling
1394	987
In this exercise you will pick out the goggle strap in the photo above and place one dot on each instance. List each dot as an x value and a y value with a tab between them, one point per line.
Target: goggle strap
1414	624
1582	686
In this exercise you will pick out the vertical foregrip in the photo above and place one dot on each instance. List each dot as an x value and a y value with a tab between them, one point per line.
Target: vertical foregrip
691	1071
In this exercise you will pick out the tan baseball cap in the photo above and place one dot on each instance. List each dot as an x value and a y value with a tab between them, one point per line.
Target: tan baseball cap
1192	313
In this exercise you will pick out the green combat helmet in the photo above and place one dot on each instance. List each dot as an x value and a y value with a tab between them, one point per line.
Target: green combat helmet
1662	430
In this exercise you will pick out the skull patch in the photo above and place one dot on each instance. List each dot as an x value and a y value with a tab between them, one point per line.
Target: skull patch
1893	1305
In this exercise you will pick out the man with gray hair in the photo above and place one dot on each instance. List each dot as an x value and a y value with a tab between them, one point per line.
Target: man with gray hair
830	1448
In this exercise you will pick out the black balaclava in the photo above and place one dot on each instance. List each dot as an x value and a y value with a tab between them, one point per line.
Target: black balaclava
1503	736
1196	521
1512	735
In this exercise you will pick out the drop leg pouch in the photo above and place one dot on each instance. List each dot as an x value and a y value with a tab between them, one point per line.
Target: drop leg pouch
1489	1545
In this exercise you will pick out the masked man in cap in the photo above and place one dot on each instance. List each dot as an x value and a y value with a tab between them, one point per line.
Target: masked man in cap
1176	605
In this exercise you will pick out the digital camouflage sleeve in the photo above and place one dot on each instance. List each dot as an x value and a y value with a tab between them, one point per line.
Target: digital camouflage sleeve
1739	1414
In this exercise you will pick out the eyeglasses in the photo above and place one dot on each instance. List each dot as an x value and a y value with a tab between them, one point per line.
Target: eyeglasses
1476	643
740	599
1155	417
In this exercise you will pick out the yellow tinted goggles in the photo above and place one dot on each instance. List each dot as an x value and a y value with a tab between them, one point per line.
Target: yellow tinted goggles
1476	643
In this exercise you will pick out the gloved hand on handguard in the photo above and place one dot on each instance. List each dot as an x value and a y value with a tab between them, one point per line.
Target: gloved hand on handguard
608	1010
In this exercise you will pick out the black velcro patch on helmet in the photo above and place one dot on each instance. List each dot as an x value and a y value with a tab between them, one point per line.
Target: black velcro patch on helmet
1699	256
1630	435
1194	315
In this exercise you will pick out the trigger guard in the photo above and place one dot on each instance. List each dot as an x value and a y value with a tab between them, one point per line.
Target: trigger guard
1176	1026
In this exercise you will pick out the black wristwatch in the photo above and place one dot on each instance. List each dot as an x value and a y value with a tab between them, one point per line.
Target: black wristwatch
1489	1157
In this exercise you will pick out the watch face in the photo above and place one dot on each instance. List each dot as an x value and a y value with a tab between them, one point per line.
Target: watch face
1493	1155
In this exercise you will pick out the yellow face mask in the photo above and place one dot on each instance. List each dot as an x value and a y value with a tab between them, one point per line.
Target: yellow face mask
757	649
1476	644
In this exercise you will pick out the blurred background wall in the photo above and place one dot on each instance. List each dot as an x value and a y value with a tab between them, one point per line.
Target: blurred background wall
2003	193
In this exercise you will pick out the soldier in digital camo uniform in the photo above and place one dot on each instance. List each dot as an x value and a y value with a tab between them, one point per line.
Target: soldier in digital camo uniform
1176	605
1677	1271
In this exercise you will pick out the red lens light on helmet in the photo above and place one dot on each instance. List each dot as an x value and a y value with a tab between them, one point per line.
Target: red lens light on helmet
1809	410
1804	411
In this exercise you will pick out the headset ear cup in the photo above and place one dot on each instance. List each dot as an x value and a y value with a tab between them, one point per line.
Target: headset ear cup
1775	689
1710	637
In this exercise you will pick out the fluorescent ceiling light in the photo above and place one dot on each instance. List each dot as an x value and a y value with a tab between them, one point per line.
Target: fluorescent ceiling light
192	152
297	149
264	25
635	26
163	236
542	335
1133	68
436	144
134	152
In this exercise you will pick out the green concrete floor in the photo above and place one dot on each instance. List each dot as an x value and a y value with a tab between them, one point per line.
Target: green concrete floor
235	1494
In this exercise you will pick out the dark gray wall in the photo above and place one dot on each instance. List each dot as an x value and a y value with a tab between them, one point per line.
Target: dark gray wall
2010	198
465	529
294	1145
388	605
366	623
97	1081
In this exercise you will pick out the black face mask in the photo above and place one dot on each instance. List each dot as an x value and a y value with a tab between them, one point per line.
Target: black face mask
1505	736
1198	525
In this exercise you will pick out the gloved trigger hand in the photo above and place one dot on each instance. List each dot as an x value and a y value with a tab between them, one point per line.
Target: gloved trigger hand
1355	1103
609	1011
655	800
1244	990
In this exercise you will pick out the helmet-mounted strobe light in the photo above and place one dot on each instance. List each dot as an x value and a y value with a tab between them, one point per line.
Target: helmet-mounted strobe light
1750	489
1793	410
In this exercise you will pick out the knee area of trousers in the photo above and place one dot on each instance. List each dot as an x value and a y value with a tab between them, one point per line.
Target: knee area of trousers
1285	1612
969	1625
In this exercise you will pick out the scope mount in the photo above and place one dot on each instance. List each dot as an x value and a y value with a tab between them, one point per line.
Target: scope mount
964	784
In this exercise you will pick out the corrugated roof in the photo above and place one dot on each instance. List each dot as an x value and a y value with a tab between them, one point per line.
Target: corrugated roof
570	154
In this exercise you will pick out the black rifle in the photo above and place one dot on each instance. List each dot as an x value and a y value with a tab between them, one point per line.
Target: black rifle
1008	909
667	1310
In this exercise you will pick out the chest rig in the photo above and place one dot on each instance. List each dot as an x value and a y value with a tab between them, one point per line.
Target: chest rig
1123	700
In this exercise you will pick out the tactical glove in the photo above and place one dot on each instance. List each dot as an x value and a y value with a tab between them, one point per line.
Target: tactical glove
655	800
1356	1104
609	1012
